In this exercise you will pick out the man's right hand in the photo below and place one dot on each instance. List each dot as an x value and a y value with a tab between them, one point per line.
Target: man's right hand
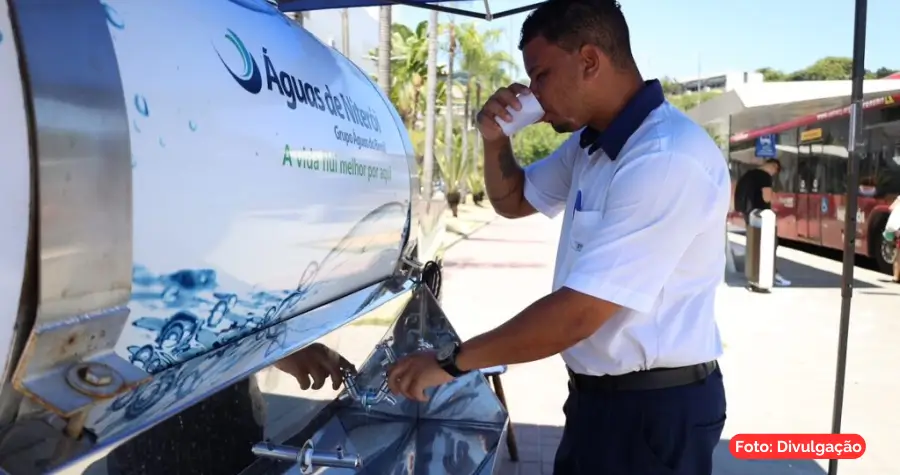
496	107
316	362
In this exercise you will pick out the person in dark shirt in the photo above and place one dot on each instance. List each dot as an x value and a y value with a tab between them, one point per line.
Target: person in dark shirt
754	191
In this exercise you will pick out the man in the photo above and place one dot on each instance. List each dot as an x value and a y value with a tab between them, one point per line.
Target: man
754	191
645	193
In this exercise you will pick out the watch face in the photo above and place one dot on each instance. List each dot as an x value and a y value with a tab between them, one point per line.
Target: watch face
446	352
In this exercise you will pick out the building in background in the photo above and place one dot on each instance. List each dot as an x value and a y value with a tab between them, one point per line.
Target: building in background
722	82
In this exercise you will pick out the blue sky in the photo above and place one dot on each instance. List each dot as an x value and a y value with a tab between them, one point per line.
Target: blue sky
677	38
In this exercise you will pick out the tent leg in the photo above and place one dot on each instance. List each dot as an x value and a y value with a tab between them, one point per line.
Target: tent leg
855	155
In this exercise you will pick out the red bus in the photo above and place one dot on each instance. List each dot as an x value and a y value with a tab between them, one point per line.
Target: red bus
810	192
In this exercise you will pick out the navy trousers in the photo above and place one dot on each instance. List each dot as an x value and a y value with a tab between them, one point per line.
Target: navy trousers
669	431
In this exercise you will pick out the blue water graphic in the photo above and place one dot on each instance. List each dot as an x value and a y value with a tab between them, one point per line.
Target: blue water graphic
192	325
140	103
185	314
192	126
162	143
188	312
112	16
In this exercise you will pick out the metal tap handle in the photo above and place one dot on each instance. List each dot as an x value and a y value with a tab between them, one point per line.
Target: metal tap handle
389	356
371	396
306	457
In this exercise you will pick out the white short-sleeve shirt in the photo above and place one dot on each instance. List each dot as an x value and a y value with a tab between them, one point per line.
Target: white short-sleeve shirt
644	228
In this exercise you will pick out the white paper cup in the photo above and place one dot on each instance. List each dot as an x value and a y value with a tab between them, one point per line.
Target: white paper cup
530	113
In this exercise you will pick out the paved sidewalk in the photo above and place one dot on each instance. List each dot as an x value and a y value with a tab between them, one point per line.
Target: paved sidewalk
470	218
489	277
779	358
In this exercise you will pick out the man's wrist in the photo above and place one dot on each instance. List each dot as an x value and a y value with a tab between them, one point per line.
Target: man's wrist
464	361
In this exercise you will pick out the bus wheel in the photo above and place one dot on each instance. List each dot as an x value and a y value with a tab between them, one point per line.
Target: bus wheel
888	254
884	252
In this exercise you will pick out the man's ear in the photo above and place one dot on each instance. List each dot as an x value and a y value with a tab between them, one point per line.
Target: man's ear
592	60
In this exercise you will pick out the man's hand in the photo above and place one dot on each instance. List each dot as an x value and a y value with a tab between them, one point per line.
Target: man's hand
496	107
318	362
415	373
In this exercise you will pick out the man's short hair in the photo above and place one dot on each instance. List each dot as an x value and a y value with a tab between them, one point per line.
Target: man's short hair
571	24
774	161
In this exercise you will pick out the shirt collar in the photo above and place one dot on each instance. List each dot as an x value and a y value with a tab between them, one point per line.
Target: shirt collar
611	140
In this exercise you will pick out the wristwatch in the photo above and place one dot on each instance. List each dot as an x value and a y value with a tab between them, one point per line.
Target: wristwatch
446	358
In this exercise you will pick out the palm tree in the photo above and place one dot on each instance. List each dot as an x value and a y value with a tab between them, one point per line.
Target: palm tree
384	49
481	66
409	64
453	170
448	105
430	116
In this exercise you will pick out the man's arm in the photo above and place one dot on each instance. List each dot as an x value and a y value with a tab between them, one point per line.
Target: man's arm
504	180
613	268
767	189
530	336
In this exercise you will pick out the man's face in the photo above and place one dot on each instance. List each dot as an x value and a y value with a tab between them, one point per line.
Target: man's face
558	82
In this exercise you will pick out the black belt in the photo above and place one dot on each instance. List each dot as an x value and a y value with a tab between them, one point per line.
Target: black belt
657	378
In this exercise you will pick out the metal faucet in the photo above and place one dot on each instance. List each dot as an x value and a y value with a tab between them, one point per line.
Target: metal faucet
371	396
306	457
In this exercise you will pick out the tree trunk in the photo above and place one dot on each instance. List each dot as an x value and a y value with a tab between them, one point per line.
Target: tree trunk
476	152
430	116
465	139
345	32
384	50
453	200
448	105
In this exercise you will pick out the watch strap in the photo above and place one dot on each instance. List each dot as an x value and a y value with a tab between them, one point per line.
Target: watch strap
448	364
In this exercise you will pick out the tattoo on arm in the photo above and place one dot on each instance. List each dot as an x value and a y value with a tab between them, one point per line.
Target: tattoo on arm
508	166
509	169
512	190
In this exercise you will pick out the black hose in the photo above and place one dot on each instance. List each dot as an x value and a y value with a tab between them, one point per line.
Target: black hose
431	277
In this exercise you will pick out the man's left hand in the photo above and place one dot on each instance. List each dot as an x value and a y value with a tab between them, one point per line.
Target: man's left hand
415	373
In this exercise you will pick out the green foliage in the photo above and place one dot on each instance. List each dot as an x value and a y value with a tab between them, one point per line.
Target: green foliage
826	69
452	169
475	180
687	102
536	142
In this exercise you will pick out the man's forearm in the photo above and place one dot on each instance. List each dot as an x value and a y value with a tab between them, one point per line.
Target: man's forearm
547	327
504	179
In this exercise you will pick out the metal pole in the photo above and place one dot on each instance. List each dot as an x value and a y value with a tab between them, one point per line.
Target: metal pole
430	107
855	155
345	32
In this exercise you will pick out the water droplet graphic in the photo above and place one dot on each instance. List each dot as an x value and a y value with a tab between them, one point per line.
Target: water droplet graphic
135	125
112	16
192	125
140	102
161	143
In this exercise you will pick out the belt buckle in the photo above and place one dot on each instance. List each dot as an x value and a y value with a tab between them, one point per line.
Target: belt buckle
573	383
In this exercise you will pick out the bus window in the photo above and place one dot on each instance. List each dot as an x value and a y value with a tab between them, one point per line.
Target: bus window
787	154
890	164
885	140
837	175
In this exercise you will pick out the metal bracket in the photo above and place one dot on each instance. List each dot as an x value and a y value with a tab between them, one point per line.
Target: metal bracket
69	366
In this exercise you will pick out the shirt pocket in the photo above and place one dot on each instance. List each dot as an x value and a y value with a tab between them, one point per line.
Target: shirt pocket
585	226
